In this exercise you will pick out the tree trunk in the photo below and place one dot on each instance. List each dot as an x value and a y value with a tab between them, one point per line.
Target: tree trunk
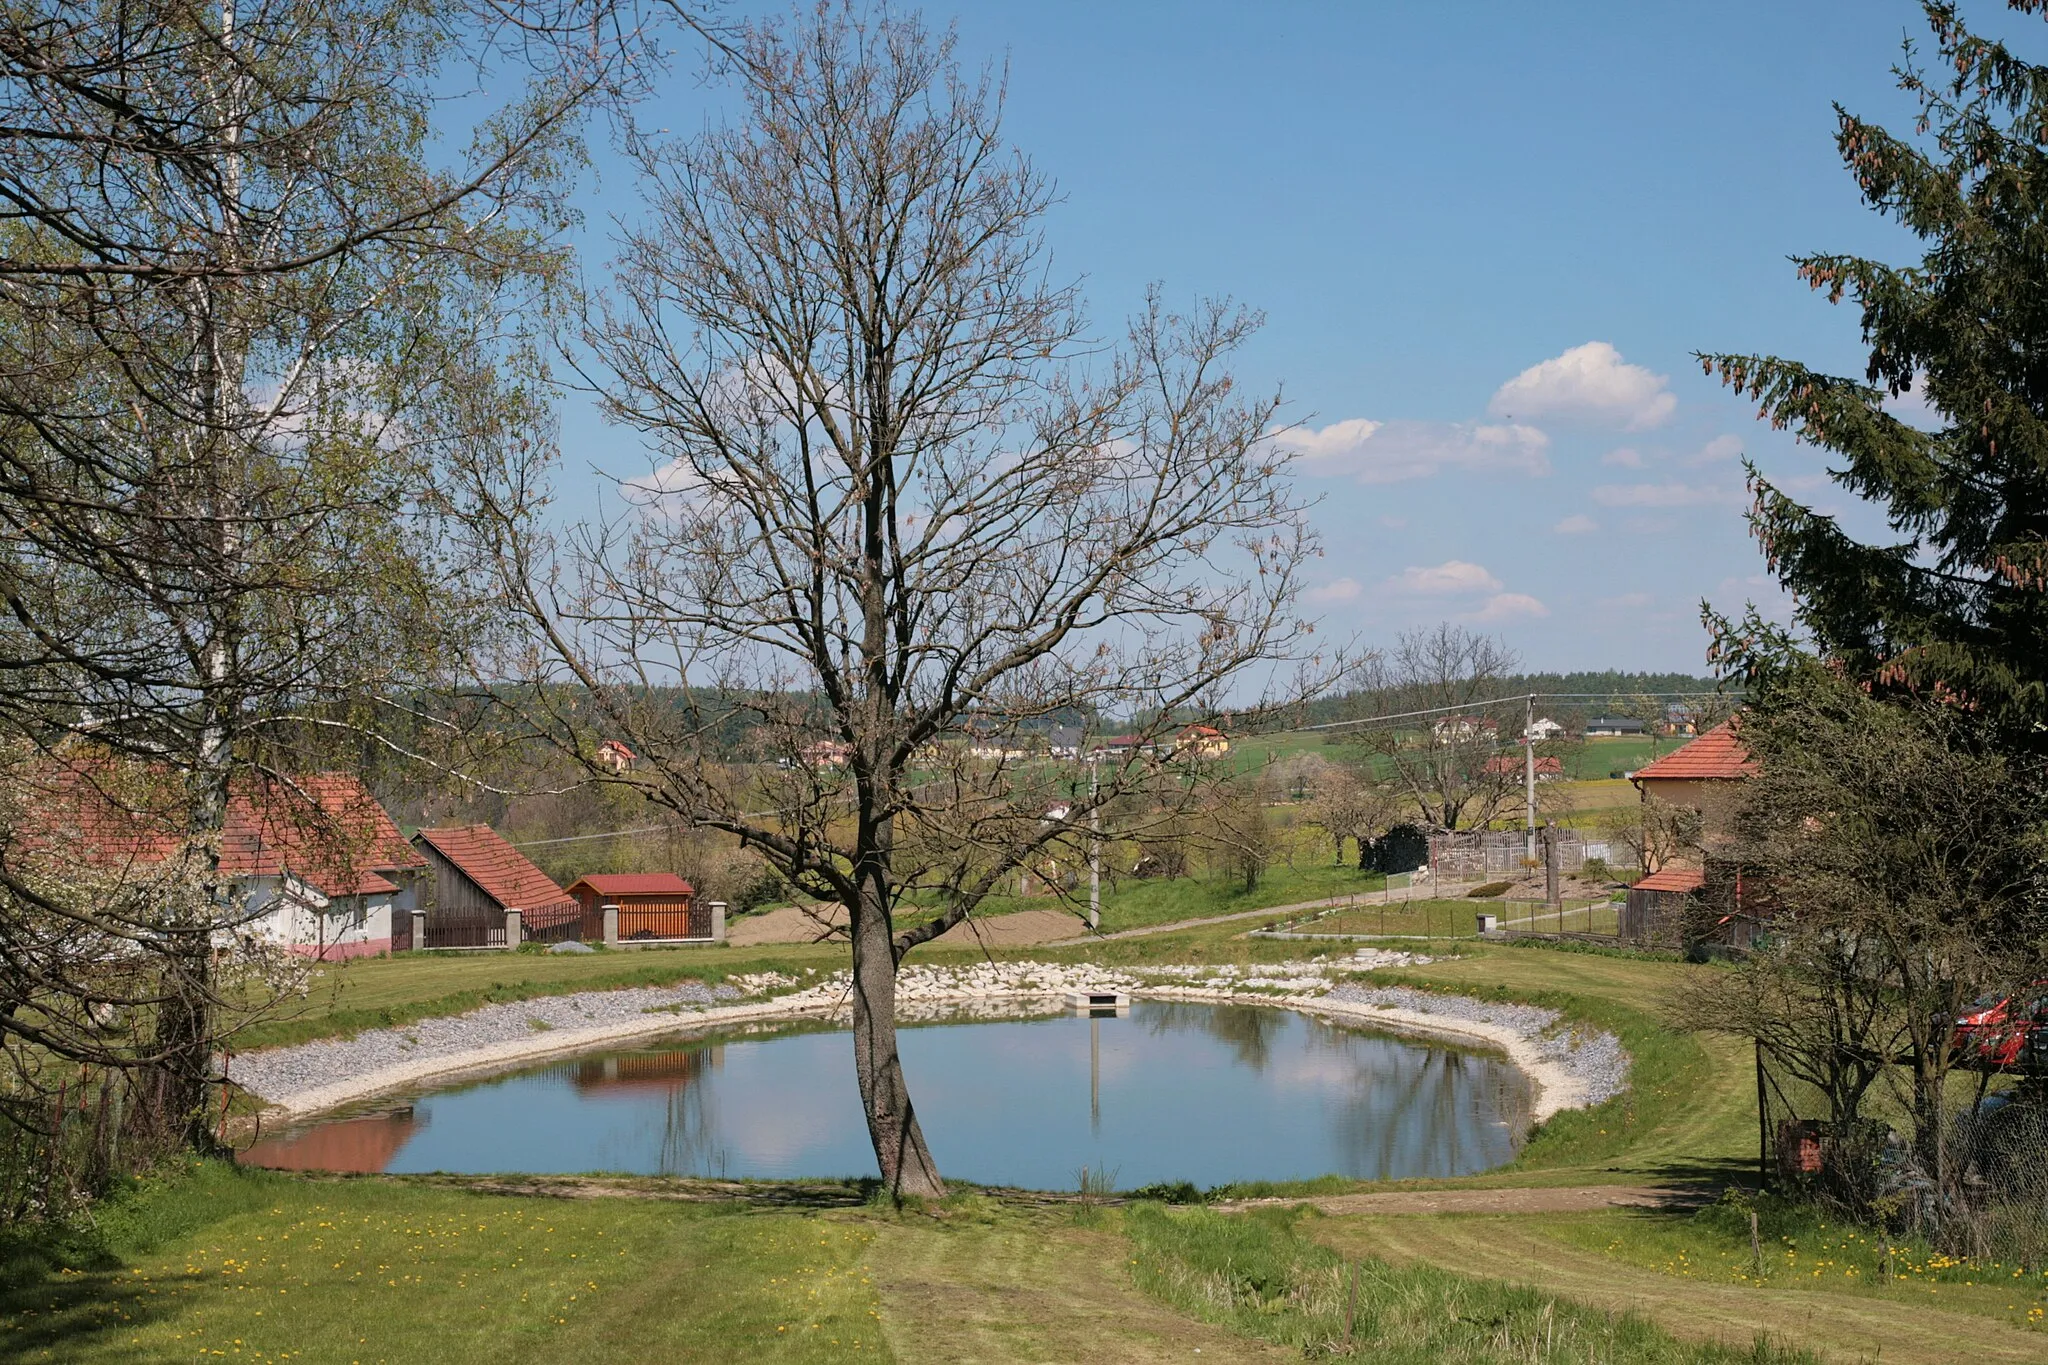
184	1041
906	1164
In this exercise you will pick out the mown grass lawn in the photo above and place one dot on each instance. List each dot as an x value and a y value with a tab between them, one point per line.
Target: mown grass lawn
216	1263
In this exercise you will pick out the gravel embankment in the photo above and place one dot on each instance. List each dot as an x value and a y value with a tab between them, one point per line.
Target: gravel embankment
1592	1059
280	1072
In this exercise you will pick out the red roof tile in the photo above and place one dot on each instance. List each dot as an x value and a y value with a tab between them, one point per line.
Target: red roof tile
1715	754
504	873
325	829
635	884
1672	879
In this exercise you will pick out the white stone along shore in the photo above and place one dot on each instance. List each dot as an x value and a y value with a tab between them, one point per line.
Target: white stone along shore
1572	1067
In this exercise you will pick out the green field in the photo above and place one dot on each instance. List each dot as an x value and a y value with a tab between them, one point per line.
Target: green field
207	1262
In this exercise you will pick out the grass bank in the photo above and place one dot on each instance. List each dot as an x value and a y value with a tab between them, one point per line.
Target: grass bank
208	1261
211	1262
1258	1274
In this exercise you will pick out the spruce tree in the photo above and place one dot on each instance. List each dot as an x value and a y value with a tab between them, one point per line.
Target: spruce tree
1953	609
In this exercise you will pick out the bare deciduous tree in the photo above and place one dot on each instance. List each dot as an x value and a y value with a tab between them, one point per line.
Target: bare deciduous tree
1345	803
1442	759
901	499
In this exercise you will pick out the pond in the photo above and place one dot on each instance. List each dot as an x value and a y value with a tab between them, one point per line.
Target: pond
1162	1092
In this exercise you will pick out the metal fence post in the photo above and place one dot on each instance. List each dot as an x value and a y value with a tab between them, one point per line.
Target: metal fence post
512	934
611	926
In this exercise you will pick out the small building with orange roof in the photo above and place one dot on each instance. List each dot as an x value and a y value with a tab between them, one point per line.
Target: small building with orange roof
652	906
477	874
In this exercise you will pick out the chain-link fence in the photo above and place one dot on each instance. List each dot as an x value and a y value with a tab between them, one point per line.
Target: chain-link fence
1969	1182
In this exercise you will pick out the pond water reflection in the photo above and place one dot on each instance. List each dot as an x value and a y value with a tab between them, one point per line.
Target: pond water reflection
1204	1093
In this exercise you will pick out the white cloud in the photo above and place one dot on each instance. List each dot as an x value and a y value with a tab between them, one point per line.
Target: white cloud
1389	452
1626	601
1664	495
1505	606
1577	524
1592	382
671	492
1450	578
1343	590
1627	457
1717	450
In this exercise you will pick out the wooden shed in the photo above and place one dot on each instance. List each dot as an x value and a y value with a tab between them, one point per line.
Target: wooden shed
652	905
477	878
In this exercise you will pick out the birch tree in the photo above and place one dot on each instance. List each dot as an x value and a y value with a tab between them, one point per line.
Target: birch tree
248	310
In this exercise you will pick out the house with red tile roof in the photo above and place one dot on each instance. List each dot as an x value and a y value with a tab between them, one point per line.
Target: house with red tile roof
1702	775
317	862
477	873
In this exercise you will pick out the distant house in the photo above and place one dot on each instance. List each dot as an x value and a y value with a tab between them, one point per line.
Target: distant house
1542	728
615	757
1680	719
1200	741
1726	906
996	750
1064	741
1614	725
476	873
1549	767
827	753
317	863
1123	746
1452	729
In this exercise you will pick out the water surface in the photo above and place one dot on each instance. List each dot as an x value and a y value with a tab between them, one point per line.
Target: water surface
1203	1093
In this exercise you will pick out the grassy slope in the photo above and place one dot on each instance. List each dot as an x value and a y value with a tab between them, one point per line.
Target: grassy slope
1259	1273
1138	904
264	1267
1900	1325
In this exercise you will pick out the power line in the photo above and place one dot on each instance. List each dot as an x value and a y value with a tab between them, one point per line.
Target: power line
578	838
1520	697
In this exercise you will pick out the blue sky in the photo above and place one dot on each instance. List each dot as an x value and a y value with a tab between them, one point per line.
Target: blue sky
1487	238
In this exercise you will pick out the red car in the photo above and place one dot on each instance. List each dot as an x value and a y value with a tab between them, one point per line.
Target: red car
2005	1031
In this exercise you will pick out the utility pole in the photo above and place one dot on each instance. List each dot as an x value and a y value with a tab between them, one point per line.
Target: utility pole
1529	777
1094	847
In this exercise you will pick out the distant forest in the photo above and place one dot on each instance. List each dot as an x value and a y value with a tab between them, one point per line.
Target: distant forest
1593	692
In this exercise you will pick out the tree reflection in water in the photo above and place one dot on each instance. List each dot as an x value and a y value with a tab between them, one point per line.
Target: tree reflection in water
689	1114
1248	1029
1434	1111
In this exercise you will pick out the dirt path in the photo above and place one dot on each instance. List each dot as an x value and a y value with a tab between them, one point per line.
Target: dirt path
1019	929
793	924
1844	1326
1270	912
1005	1295
1558	1199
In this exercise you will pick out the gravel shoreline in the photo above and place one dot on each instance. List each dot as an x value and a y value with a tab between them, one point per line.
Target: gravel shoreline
1572	1067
